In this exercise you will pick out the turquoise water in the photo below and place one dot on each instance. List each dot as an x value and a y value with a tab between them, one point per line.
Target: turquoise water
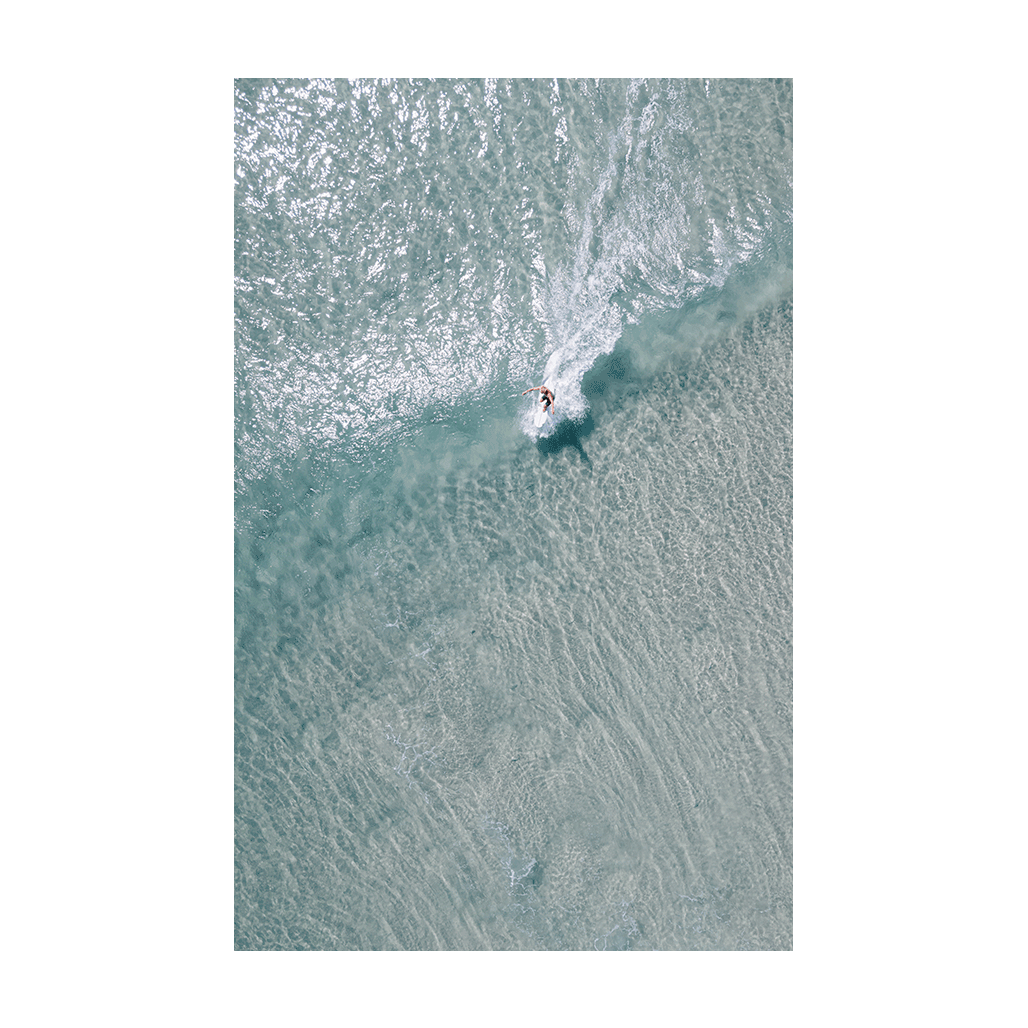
497	689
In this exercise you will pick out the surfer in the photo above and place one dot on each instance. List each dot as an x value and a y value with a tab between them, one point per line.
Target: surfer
546	398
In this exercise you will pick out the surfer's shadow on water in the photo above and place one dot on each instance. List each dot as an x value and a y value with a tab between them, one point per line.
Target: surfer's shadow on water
566	434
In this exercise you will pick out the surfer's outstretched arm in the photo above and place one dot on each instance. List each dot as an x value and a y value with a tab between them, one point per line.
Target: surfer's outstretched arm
534	389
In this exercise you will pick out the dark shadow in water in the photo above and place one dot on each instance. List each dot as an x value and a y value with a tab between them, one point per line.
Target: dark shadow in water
568	433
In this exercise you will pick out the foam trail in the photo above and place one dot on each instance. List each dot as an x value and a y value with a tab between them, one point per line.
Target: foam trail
576	309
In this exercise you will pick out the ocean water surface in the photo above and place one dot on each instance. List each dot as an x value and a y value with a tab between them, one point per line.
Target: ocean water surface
500	687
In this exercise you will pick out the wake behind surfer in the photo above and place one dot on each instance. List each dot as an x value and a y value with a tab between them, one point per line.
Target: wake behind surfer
546	398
